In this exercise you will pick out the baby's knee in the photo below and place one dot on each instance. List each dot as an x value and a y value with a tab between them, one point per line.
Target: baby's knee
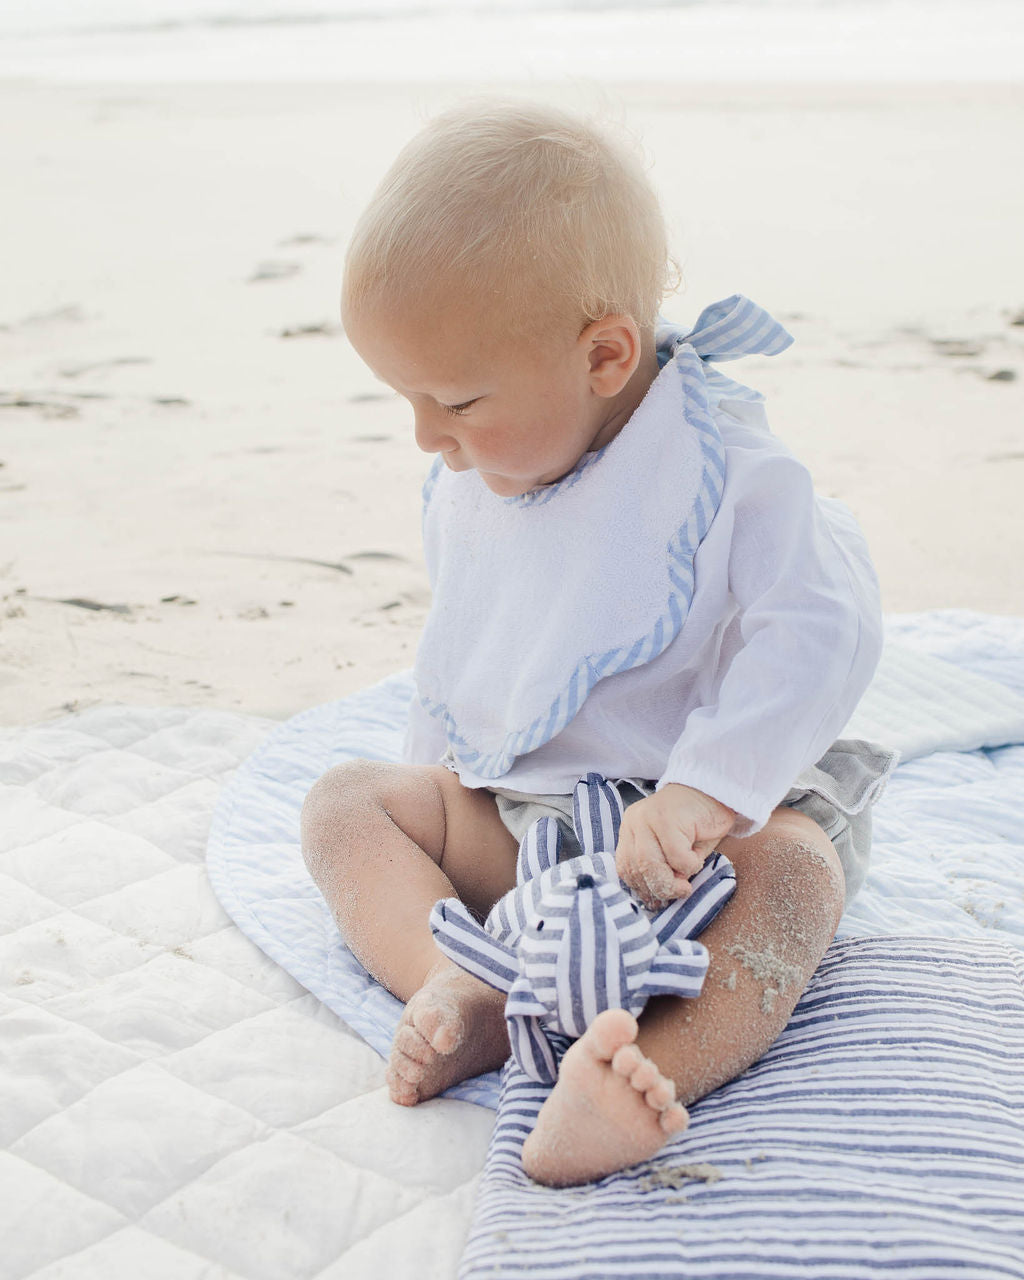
810	849
811	877
357	807
338	787
792	866
345	784
333	803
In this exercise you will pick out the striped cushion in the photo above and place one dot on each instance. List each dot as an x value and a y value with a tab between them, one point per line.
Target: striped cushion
882	1133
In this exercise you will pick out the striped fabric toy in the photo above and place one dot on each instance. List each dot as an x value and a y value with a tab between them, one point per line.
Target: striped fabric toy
570	940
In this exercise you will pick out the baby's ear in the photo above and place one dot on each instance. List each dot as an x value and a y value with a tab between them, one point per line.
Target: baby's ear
613	351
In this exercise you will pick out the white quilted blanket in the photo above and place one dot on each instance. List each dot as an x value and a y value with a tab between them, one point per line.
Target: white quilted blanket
173	1104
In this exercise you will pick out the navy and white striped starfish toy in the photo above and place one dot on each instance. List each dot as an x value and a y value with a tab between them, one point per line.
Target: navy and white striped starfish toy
570	940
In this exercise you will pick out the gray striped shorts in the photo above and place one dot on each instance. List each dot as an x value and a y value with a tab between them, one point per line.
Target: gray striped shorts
837	793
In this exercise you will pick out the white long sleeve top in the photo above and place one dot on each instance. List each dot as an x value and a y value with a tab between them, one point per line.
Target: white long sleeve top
779	640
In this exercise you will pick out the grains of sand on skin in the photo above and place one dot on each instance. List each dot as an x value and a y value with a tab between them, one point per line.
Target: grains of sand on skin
768	968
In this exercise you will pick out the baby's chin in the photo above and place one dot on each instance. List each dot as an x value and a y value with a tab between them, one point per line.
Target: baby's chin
516	486
507	486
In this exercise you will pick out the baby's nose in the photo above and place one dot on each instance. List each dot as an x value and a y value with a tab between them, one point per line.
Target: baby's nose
432	435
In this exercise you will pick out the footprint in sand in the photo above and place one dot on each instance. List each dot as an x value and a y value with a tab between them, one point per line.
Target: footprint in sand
320	330
274	271
76	371
302	239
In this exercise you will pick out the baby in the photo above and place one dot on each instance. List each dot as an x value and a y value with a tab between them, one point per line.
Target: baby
631	575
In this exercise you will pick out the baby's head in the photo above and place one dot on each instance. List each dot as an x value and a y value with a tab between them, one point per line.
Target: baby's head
511	250
534	215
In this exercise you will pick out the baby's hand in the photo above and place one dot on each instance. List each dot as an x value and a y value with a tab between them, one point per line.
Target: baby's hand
665	839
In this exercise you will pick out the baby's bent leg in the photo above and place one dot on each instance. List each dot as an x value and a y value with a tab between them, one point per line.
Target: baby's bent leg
765	944
383	843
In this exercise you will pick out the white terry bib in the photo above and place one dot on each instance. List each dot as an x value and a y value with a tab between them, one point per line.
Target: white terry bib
536	598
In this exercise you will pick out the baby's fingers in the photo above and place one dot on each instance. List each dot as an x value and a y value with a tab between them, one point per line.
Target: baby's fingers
642	867
684	858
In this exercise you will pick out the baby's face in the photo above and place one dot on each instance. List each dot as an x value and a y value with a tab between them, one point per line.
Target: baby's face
520	411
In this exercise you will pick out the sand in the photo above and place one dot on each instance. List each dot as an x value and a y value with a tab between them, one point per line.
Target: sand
205	499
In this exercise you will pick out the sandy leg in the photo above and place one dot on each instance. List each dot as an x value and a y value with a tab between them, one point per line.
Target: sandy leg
452	1028
611	1107
613	1103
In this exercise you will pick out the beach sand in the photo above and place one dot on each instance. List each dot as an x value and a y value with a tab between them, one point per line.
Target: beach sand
206	500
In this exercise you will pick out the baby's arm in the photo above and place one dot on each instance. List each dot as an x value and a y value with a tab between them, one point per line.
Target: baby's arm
809	620
810	633
665	839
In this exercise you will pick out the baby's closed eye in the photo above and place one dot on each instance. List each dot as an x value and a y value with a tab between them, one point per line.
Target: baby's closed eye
458	408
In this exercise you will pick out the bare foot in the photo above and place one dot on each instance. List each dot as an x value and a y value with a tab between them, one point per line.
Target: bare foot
452	1028
611	1107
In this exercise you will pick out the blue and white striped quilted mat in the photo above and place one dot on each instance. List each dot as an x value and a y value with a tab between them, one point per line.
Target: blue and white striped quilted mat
883	1132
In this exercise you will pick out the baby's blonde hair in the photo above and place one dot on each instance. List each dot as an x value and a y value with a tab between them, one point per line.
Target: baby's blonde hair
520	205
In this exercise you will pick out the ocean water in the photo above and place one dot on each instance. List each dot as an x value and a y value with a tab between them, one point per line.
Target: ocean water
359	41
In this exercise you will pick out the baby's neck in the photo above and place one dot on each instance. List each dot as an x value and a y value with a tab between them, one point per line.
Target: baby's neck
619	410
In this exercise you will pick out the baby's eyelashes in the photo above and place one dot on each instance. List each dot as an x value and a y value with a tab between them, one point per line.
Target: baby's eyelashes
459	408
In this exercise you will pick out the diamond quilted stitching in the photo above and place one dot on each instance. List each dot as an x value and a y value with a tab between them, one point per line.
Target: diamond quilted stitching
311	1007
27	818
85	859
109	781
170	1003
133	1254
256	1063
20	905
177	823
130	727
113	725
207	744
42	1218
95	1003
60	954
231	952
426	1243
46	1063
29	754
280	1208
438	1145
168	909
137	1138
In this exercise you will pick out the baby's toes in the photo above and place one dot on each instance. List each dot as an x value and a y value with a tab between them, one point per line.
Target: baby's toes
611	1032
660	1094
400	1089
440	1024
407	1069
674	1118
627	1061
410	1044
644	1076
